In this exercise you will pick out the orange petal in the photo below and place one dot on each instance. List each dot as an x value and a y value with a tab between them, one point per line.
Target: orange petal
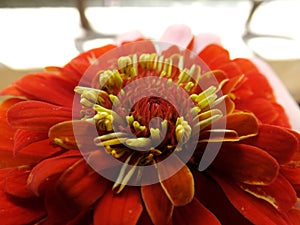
157	204
245	124
277	141
280	193
256	210
179	35
245	65
47	87
49	168
63	134
282	119
259	85
6	131
122	209
214	55
247	164
179	188
194	213
83	61
79	178
37	116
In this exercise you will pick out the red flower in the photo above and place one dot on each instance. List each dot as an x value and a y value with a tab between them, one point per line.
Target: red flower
45	179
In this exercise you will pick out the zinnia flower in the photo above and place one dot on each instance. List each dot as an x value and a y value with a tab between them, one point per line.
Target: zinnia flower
124	135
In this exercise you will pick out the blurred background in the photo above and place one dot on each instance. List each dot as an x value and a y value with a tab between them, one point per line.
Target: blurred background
39	33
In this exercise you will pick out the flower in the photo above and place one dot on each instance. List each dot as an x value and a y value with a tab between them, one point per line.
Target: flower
77	141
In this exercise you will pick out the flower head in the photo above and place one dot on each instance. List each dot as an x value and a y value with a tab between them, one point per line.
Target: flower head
148	133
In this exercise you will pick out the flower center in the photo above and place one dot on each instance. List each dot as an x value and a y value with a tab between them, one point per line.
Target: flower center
145	110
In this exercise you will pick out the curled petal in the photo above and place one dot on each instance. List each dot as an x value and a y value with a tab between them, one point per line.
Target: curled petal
37	116
179	187
194	213
245	124
122	209
50	168
256	210
214	199
280	194
274	139
159	207
247	164
79	178
63	134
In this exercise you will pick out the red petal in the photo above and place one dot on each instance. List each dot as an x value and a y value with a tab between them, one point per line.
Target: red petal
194	213
291	173
280	193
15	183
6	131
282	119
7	159
41	149
47	87
259	85
245	124
246	164
83	61
37	116
246	65
262	108
294	217
214	55
277	141
71	134
179	35
12	213
122	209
202	40
258	211
214	199
179	187
79	178
60	210
157	204
51	167
24	138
